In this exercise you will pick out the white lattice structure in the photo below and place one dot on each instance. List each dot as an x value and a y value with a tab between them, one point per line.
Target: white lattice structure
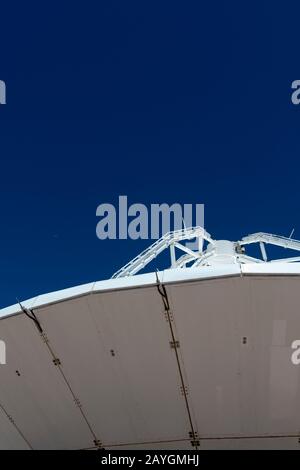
217	251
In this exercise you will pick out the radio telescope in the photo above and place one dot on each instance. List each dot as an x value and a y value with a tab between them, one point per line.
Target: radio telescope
195	356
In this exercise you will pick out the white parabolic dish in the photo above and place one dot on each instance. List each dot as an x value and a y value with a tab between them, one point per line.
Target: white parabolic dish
189	358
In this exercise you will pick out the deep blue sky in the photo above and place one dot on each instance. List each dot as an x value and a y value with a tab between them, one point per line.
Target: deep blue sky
162	101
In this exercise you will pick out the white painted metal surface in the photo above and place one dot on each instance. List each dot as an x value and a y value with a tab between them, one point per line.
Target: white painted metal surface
189	358
216	252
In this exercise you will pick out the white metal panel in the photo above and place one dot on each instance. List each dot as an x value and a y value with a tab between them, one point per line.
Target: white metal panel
240	389
205	315
133	395
37	399
275	313
271	268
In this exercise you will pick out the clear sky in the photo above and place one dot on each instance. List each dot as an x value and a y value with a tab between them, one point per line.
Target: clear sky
163	101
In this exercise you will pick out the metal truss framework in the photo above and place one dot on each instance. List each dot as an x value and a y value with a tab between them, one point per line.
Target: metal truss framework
208	252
